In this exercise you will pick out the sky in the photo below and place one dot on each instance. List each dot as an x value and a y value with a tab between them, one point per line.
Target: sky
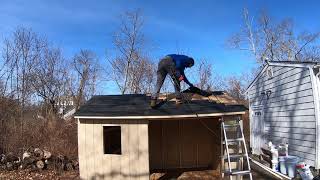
199	28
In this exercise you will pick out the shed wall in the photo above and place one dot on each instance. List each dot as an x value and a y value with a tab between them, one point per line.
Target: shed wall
184	143
288	114
133	163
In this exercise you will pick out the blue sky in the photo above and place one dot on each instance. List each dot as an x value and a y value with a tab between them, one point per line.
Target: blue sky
199	28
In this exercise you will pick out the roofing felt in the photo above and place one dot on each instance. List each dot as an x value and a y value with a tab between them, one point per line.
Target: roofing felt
138	105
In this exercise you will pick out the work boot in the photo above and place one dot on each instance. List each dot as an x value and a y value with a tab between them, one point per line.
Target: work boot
153	102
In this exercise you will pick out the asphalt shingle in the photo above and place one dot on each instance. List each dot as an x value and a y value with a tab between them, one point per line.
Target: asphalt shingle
138	105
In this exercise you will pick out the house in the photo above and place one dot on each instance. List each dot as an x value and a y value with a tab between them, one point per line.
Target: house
121	137
65	105
284	108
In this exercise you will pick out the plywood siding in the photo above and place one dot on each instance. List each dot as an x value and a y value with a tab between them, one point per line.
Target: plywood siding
185	143
288	114
82	148
133	163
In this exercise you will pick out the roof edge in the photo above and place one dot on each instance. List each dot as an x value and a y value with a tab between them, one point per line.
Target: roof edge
257	77
162	117
282	63
293	63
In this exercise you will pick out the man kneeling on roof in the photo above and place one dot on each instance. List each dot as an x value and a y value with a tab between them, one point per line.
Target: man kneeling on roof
174	65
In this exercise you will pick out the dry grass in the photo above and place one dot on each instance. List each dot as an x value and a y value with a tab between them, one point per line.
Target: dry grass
28	126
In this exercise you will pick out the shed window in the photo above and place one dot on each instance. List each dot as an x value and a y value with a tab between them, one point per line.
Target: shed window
112	139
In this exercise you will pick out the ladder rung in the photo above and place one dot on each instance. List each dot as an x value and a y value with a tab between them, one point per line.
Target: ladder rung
232	120
233	140
231	125
237	142
237	172
235	156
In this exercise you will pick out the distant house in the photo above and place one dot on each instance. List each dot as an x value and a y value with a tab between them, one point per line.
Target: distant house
121	137
66	107
284	108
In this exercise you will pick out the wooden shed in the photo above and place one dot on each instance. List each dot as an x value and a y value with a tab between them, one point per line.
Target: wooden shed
284	108
120	137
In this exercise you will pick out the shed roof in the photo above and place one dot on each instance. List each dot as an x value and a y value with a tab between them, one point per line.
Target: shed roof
137	106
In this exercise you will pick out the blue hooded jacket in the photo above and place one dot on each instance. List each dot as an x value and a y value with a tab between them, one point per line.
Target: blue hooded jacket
181	62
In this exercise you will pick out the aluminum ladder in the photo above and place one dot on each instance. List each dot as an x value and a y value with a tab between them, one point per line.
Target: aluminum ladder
233	149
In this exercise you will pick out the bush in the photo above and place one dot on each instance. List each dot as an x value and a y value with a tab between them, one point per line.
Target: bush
22	129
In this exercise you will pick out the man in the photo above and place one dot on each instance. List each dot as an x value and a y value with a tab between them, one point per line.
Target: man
174	65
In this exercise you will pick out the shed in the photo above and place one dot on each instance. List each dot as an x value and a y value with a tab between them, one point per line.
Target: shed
284	108
121	137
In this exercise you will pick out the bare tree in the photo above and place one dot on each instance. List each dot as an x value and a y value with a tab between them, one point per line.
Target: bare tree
235	88
85	64
48	77
20	54
132	69
266	39
236	85
144	77
205	75
2	88
34	73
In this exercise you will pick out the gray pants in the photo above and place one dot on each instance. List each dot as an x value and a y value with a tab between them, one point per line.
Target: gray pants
166	66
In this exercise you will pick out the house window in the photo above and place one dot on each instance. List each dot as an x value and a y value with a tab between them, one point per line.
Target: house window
270	73
112	139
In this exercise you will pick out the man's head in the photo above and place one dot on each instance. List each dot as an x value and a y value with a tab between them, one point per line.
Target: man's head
190	62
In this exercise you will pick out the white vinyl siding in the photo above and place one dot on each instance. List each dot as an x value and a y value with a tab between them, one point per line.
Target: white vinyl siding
288	111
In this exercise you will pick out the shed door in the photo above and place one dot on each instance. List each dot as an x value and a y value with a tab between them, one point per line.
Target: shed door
257	129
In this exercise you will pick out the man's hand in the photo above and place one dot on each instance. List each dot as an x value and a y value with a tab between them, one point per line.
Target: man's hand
181	78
